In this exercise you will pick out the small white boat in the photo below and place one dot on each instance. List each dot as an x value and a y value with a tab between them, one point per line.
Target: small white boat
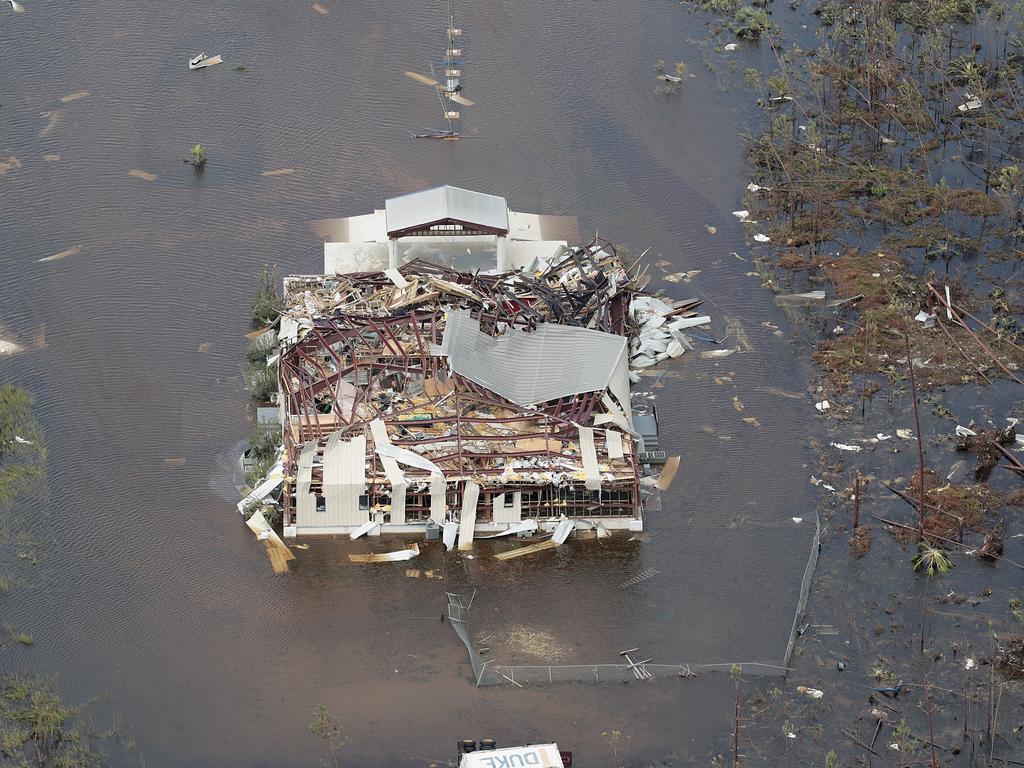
202	60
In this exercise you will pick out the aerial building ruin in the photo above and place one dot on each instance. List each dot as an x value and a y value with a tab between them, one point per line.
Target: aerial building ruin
460	366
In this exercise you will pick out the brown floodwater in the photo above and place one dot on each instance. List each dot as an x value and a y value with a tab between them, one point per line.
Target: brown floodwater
149	592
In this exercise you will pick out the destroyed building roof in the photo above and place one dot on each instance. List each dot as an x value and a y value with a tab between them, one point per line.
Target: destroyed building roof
528	367
412	213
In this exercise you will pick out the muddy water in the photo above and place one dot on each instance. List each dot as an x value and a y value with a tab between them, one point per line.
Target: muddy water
149	592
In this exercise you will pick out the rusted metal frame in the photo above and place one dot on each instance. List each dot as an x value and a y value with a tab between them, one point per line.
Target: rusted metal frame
385	334
323	375
415	322
298	397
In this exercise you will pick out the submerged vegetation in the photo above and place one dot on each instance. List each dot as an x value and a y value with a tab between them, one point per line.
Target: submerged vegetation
22	454
38	730
888	171
891	159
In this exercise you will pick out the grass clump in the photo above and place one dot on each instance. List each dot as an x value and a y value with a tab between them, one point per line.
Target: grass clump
749	23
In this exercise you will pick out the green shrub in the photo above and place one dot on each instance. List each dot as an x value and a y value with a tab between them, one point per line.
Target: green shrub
749	23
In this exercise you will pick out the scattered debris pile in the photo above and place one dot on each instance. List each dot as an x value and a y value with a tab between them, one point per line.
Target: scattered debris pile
1010	656
988	445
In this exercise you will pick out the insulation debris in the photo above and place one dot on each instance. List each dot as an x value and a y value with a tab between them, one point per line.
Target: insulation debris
386	557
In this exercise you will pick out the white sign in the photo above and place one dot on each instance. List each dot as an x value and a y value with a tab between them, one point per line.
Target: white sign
533	756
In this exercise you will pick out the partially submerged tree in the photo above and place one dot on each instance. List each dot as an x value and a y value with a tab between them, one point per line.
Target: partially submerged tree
267	301
327	727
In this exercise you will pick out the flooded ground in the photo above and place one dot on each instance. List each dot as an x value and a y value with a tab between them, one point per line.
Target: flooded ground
149	592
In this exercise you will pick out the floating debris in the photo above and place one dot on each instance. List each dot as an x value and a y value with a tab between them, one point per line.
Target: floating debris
761	238
8	164
715	353
279	172
529	549
823	406
847	447
144	175
800	299
74	96
202	60
320	9
387	557
62	255
51	158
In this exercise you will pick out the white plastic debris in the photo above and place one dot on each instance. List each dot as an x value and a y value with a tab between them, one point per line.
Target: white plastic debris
846	447
741	214
925	318
906	434
752	187
712	353
762	238
823	406
809	297
731	46
969	664
972	103
814	693
798	520
22	440
965	432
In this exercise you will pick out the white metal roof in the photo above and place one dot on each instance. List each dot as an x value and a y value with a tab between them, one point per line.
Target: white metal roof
430	206
532	756
527	368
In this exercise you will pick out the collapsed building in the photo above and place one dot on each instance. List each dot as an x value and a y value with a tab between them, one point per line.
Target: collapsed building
416	392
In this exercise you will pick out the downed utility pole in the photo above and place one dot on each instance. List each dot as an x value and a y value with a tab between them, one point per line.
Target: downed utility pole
638	668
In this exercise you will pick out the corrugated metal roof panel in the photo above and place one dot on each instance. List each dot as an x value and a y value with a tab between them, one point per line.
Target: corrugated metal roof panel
528	368
432	205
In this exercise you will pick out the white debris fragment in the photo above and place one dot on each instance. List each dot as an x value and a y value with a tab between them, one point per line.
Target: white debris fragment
846	447
814	693
762	238
906	434
712	353
969	664
972	103
741	214
823	406
927	319
731	46
22	440
798	520
964	431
